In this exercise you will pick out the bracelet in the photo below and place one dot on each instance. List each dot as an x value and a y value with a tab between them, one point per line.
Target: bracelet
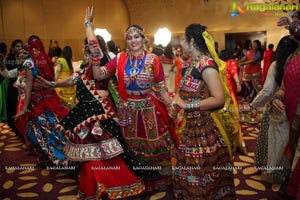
191	106
88	24
53	84
277	96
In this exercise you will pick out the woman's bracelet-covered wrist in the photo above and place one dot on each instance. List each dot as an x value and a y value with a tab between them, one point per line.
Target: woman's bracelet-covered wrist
191	106
88	24
277	96
53	84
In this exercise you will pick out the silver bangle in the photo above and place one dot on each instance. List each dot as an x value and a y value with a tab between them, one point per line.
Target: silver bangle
53	84
192	106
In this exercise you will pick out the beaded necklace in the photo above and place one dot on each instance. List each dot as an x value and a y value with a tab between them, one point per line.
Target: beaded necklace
135	66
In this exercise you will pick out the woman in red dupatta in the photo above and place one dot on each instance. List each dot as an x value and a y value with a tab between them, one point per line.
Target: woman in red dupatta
41	110
143	104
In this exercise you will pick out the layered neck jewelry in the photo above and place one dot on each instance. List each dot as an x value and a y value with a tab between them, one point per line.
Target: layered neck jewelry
135	65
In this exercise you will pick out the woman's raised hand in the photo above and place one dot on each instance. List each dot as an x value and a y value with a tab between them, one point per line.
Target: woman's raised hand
89	15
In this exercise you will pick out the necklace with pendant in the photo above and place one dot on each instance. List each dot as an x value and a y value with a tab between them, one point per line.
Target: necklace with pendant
135	66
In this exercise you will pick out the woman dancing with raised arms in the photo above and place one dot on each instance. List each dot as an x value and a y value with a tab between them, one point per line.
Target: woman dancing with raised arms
143	110
94	136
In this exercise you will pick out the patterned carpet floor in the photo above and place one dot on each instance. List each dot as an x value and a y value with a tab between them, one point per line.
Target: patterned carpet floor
21	178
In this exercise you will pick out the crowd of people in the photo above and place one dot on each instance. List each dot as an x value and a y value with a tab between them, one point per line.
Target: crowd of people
121	110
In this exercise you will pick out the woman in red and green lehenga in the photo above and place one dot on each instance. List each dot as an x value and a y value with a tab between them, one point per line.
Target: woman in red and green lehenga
143	103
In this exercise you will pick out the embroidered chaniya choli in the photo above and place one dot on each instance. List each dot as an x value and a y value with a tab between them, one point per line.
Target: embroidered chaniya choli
142	114
95	139
44	112
204	167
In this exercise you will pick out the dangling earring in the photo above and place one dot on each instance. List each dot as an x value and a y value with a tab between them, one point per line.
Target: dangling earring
190	50
36	52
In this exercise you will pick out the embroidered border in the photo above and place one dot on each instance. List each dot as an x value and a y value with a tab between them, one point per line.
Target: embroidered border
108	110
123	191
83	152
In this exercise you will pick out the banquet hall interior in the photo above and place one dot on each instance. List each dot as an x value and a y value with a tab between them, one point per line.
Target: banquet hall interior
229	22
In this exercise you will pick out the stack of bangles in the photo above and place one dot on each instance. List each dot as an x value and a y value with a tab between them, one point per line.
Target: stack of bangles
276	96
192	106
